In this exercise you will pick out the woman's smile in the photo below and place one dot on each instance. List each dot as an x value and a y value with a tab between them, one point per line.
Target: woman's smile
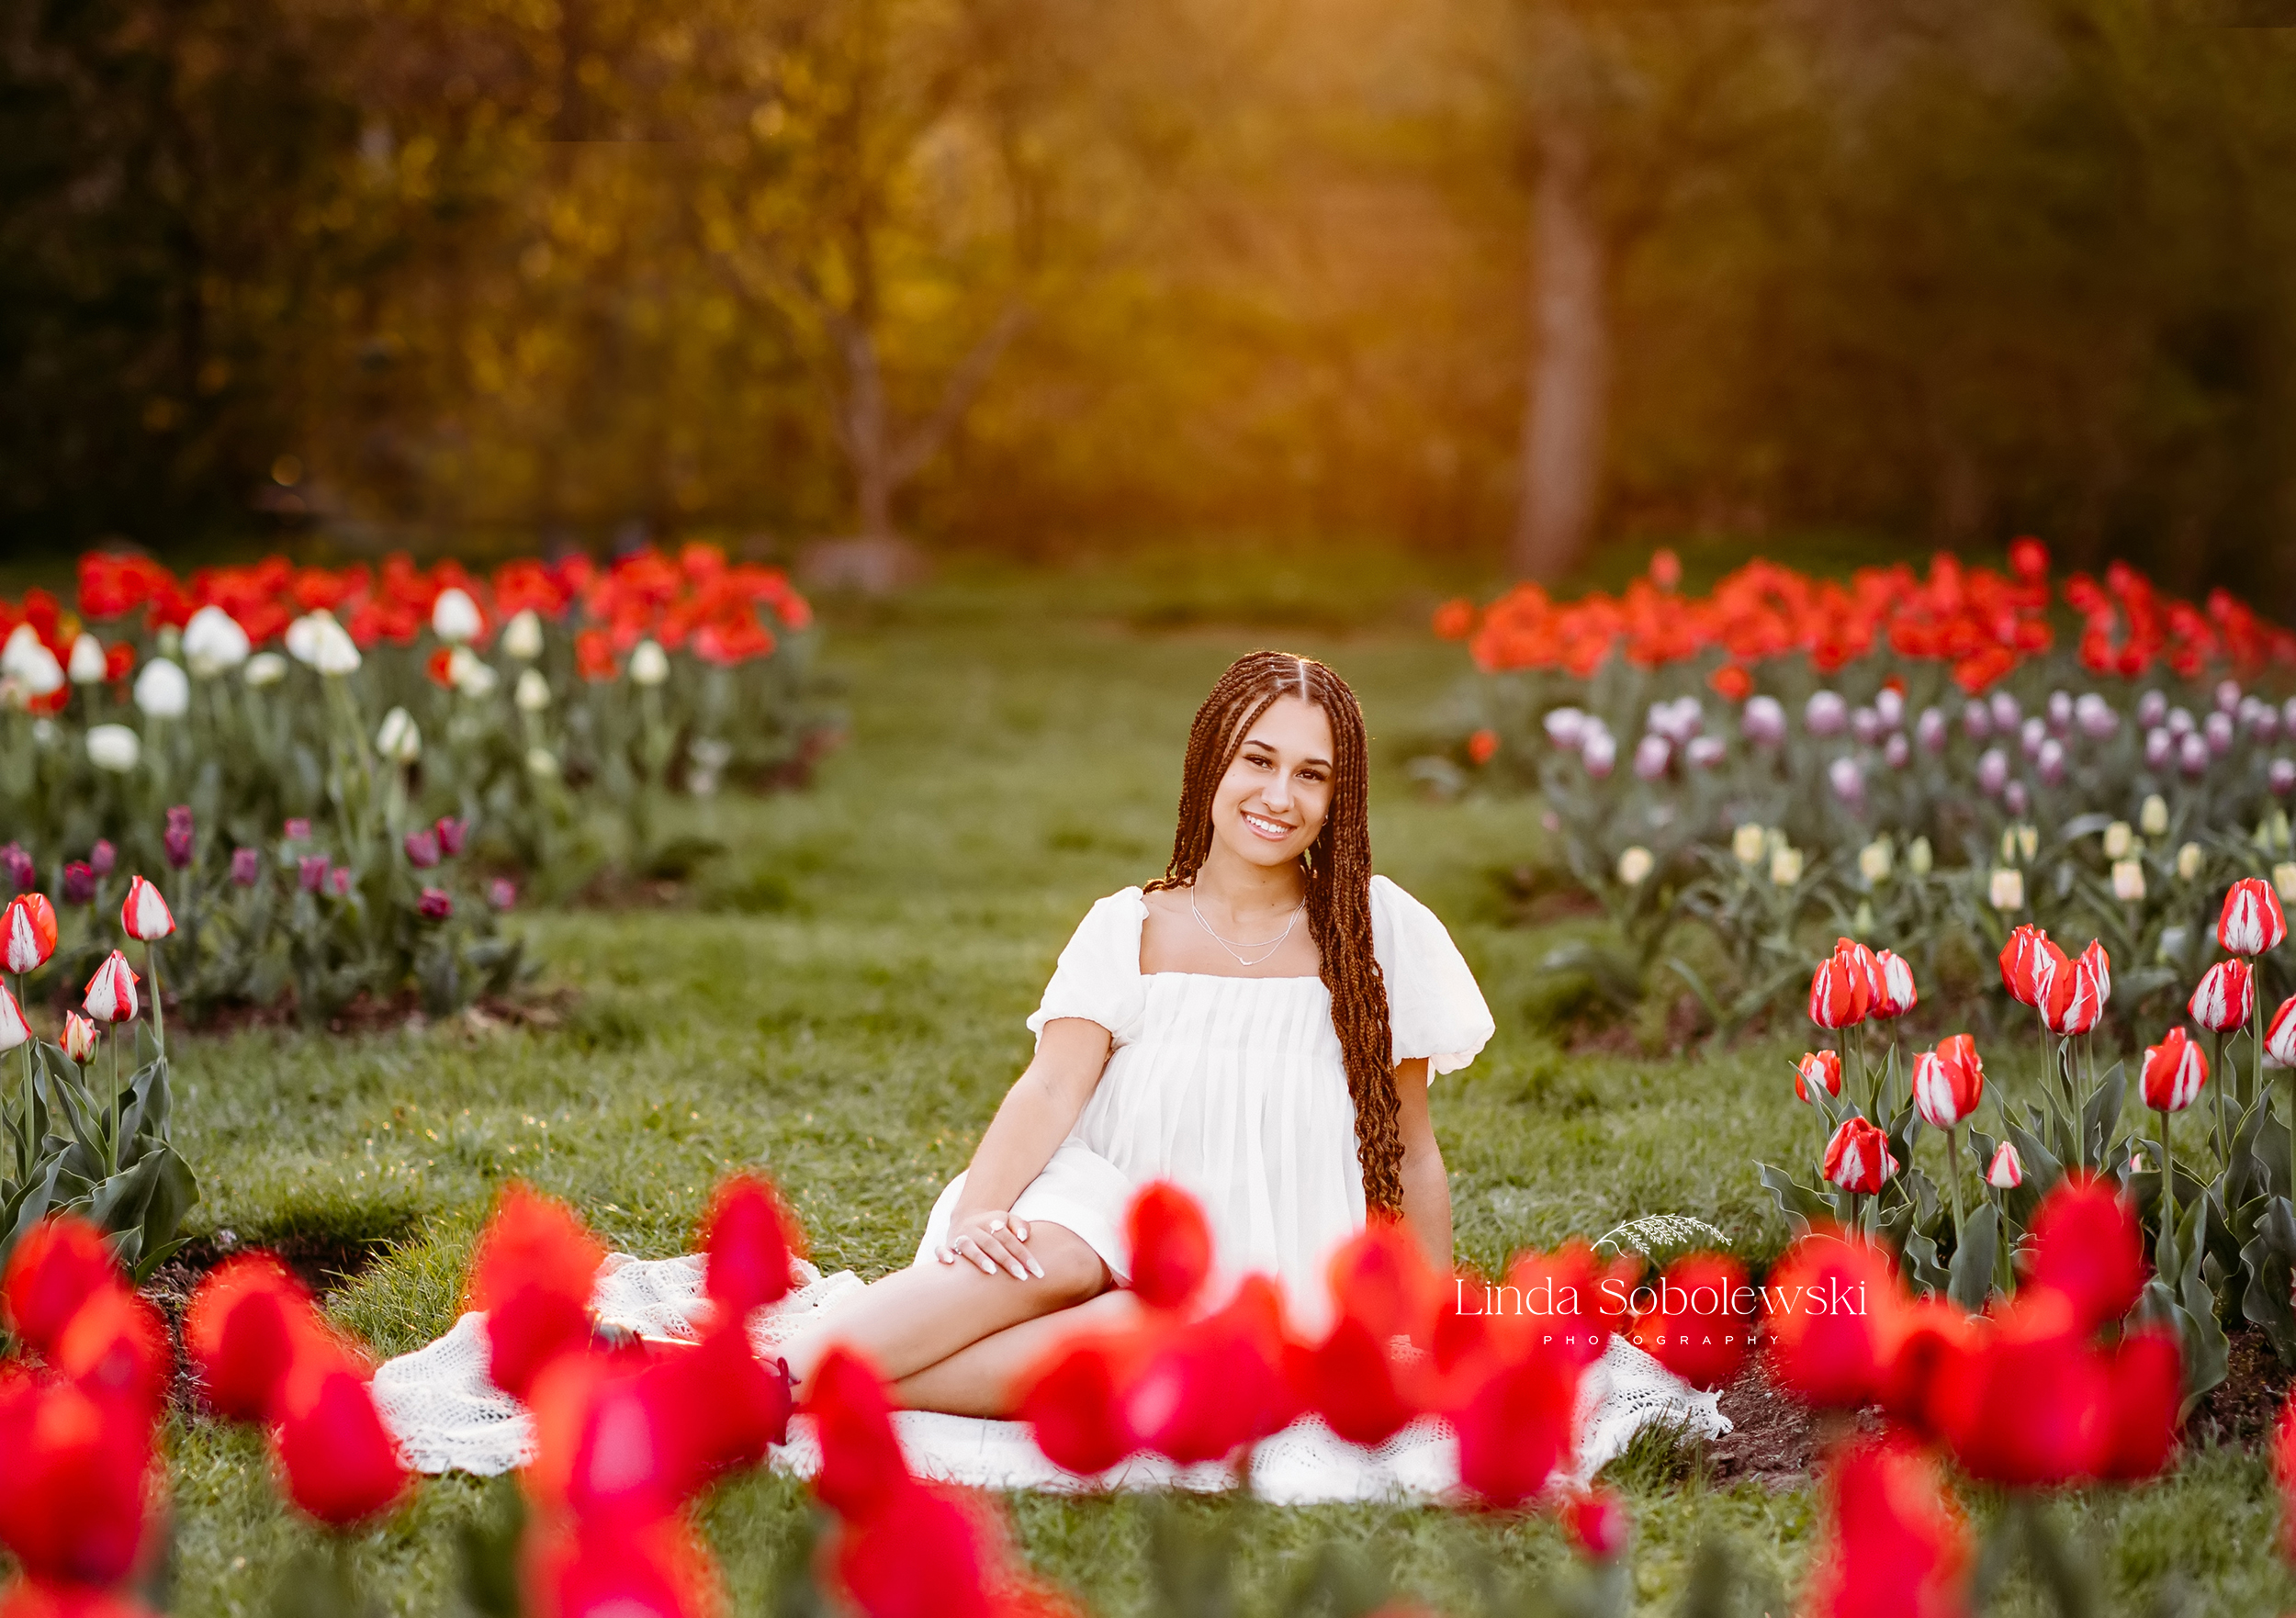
1268	826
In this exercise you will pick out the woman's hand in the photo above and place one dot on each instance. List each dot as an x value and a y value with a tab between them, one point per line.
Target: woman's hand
992	1239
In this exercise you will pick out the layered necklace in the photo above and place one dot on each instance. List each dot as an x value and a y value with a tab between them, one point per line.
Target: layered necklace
1235	948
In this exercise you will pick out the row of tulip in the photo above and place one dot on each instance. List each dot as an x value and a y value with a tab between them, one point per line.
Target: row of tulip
1907	758
2061	1384
551	706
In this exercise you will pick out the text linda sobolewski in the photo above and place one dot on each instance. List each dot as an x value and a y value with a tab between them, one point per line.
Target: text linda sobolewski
1699	1312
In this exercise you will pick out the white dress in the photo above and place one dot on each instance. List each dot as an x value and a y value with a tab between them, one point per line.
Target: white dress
1234	1089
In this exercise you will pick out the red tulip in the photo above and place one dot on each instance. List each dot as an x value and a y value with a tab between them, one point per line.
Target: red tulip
1817	1070
1898	995
338	1462
1702	1325
1572	1299
1382	1278
1349	1380
2174	1071
61	1262
861	1465
1519	1427
72	1493
146	917
1597	1523
29	929
2280	1036
2145	1380
116	1348
2284	1468
34	1599
1858	1157
2252	921
1209	1387
1930	1333
2075	1000
2085	1244
2026	1407
533	1274
1948	1082
1839	993
653	1570
1074	1401
2100	965
2030	965
719	1406
2225	997
2006	1170
14	1029
920	1556
111	993
747	1246
1170	1243
1899	1546
240	1332
1832	1311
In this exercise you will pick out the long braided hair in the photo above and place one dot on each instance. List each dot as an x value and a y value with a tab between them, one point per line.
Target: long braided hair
1337	867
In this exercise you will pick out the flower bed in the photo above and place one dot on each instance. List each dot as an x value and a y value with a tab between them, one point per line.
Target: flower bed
1920	760
350	769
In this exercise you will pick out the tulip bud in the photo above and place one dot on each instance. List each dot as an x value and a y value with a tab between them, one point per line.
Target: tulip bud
79	882
1930	730
2016	799
399	740
452	831
2280	776
1826	714
542	763
2128	881
1821	1070
2119	838
242	1333
311	872
1858	1157
1847	781
2192	756
2152	818
1566	727
1705	751
1762	722
455	616
2225	997
30	923
264	668
2159	747
522	637
246	866
2007	890
213	642
1786	866
1992	772
163	690
1634	866
649	665
423	848
1747	844
2252	920
1918	858
317	641
1170	1243
1597	1524
2100	967
1838	994
2217	729
146	917
2006	1170
2174	1072
533	694
79	1038
1599	752
87	664
338	1461
436	904
2189	859
2075	1000
111	993
14	1029
339	881
114	747
1948	1081
1874	861
2280	1036
1898	995
501	894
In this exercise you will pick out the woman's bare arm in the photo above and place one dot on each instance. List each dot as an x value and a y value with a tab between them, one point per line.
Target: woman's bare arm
1032	1120
1426	1185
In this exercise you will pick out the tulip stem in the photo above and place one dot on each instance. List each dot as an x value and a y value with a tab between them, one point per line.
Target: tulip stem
1952	1159
112	1167
31	1148
2167	1193
159	1006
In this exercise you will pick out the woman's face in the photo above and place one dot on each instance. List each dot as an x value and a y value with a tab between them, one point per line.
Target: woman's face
1277	789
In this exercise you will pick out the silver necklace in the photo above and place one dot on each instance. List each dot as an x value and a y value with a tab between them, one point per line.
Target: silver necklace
1270	945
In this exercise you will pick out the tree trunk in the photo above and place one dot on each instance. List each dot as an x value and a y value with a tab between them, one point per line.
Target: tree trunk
1570	369
865	432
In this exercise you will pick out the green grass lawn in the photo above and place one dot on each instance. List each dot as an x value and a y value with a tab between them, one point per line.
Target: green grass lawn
838	1001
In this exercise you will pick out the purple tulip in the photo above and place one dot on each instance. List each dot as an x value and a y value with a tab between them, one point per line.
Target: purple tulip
2060	713
2029	736
1866	726
79	882
2050	762
2281	776
2180	725
452	831
1706	751
1897	751
102	857
246	866
1930	730
312	872
2227	695
1652	753
298	830
1826	714
339	881
1566	727
177	839
1992	772
2152	708
2288	717
1847	781
436	905
1600	753
2266	725
1890	706
2192	755
2014	799
2218	730
2159	746
423	848
21	870
501	893
1764	721
2007	714
1976	720
2095	716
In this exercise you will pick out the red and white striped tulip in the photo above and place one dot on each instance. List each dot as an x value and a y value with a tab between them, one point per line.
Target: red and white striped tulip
14	1029
1858	1157
2030	965
2253	921
111	993
79	1038
1822	1070
2006	1170
2100	966
1898	995
2174	1072
2075	1002
2280	1036
29	925
1839	994
1867	964
145	916
1948	1081
2226	998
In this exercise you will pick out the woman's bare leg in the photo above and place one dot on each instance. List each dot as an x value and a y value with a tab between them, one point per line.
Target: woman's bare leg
983	1378
917	1317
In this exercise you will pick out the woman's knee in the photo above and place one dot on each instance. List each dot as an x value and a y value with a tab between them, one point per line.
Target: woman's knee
1073	1272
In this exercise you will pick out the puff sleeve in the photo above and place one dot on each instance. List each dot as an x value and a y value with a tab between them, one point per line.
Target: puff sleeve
1099	975
1433	1003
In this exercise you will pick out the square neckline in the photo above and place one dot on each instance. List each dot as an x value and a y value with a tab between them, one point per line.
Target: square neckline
1139	902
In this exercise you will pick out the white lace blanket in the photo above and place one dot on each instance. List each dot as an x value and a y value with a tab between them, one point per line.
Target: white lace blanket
448	1417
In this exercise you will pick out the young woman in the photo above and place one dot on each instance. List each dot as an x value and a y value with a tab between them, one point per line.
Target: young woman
1259	1026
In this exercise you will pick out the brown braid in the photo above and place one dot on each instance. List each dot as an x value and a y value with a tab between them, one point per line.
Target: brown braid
1337	867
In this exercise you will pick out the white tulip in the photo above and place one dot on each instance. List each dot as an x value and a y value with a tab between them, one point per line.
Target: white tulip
541	763
2284	879
533	692
2188	859
213	642
399	740
522	637
1786	866
1874	861
2008	891
88	664
475	677
2154	817
26	657
2119	838
2128	881
1747	843
264	669
317	640
163	690
649	665
1634	866
1919	856
114	747
455	617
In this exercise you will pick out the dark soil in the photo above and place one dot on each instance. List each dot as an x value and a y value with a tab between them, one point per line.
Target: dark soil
324	1263
2240	1412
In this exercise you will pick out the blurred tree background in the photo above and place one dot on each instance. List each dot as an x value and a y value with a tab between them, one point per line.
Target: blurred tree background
1506	276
